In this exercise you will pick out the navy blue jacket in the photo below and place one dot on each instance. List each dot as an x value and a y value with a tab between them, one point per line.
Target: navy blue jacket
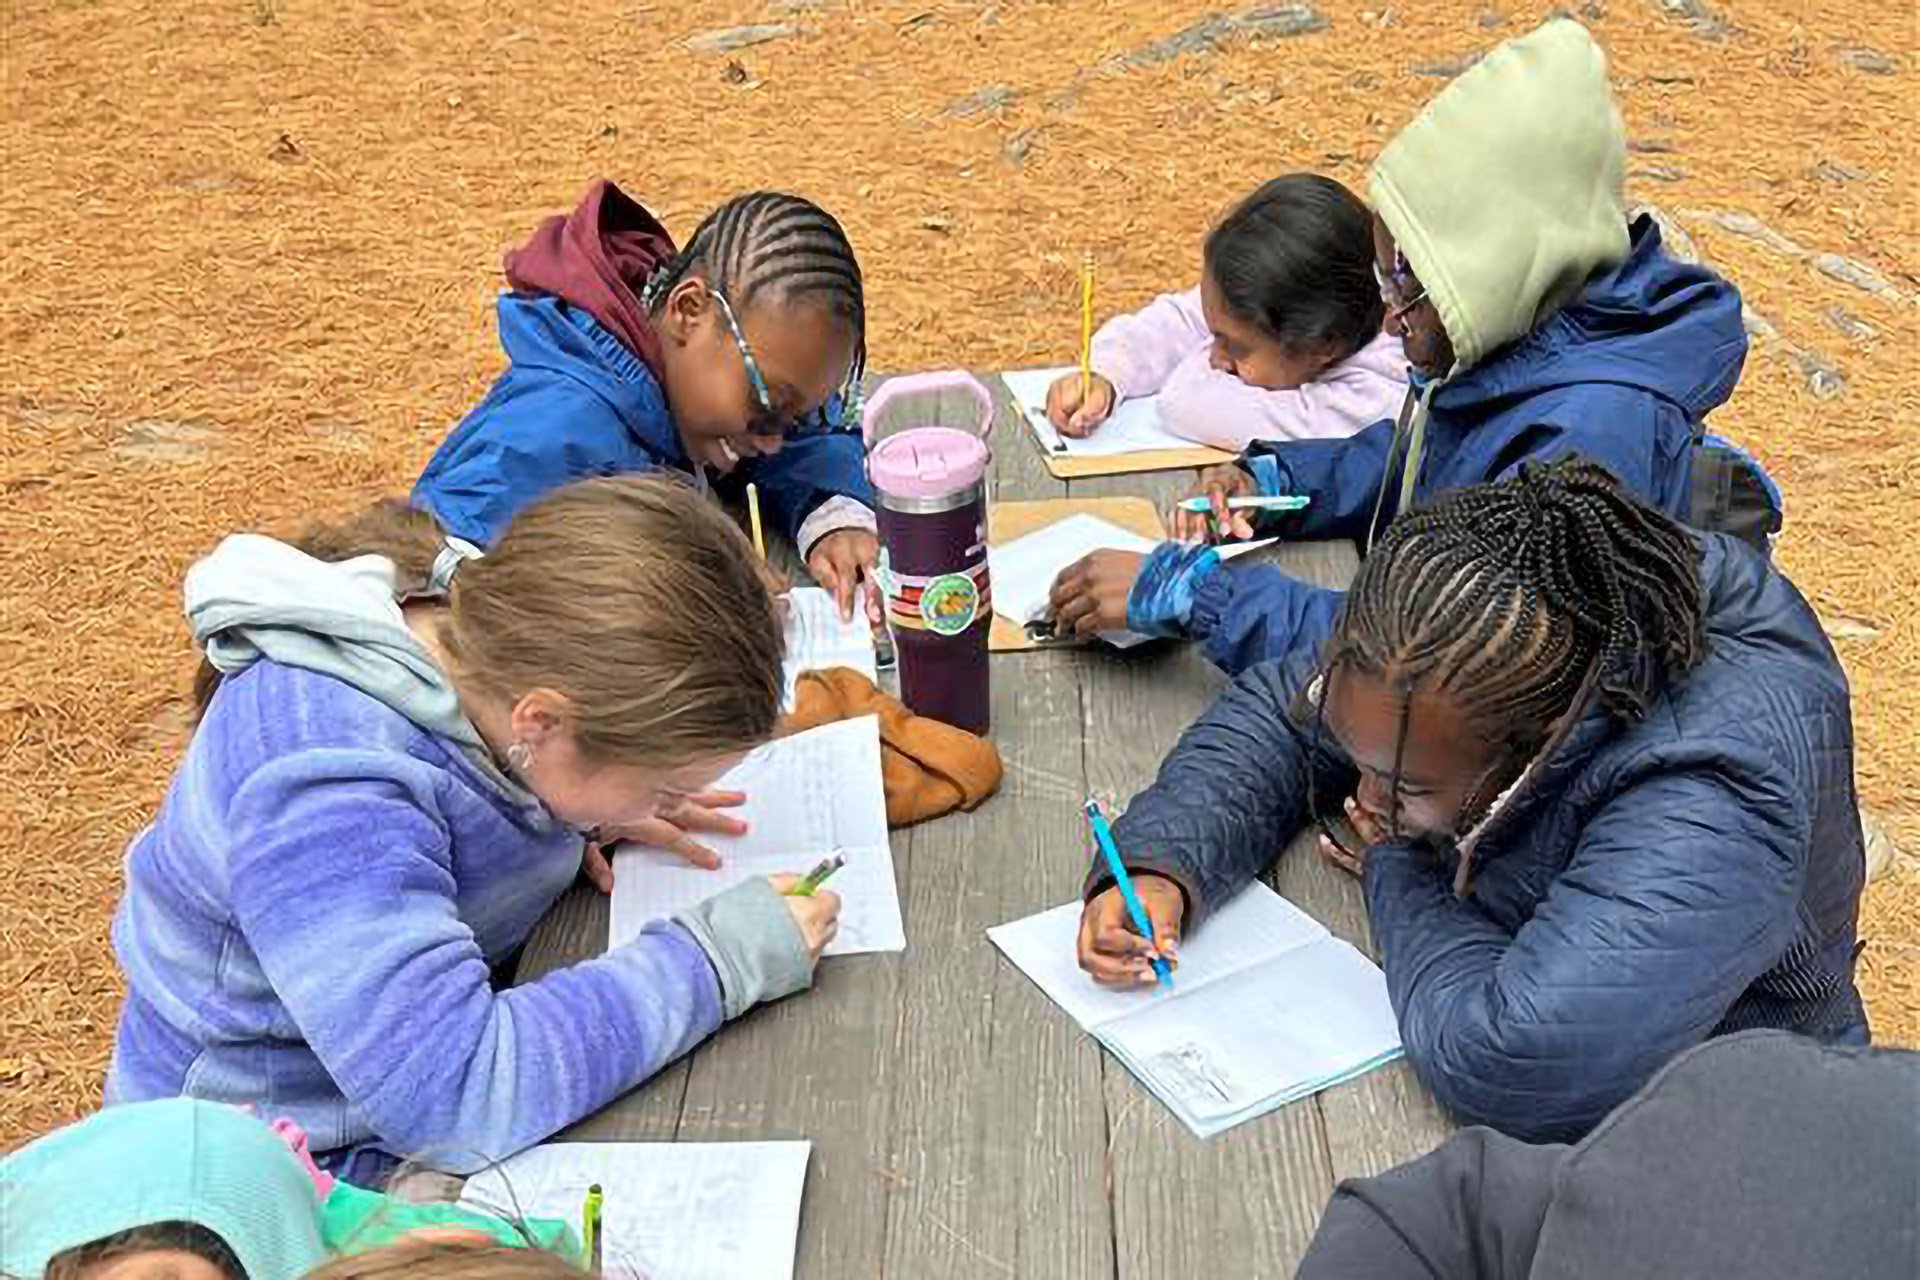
1622	375
575	402
1694	873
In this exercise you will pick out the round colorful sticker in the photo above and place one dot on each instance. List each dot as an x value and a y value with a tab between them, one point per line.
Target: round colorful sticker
949	603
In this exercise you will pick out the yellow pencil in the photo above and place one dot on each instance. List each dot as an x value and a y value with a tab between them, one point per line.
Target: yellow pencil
753	514
1086	326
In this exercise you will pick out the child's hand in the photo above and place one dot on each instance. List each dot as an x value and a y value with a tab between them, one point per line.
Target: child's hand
1090	595
1073	415
1217	484
817	915
839	562
669	829
1371	832
1112	952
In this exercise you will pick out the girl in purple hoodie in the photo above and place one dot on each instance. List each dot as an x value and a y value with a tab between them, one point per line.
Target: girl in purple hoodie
393	778
1281	340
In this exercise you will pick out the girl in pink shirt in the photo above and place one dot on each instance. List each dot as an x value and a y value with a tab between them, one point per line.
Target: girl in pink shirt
1281	341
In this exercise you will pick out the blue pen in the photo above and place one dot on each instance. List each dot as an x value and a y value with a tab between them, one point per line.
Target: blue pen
1103	836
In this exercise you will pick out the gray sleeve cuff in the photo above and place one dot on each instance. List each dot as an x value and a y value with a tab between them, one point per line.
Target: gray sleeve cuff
756	948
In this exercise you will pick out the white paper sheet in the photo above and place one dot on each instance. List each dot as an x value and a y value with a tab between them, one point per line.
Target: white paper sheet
1266	1007
808	796
1135	426
817	638
1024	569
670	1210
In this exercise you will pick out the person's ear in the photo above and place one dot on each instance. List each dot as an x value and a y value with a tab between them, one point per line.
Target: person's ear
688	308
540	716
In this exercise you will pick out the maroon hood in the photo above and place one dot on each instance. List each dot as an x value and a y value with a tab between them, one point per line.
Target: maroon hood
598	258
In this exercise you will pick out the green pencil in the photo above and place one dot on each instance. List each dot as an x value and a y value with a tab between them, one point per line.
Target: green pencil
806	885
590	1227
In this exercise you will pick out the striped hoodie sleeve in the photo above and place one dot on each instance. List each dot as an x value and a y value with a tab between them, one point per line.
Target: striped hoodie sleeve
342	884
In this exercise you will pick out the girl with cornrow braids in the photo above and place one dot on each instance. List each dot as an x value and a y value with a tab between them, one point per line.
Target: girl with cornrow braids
1600	772
735	356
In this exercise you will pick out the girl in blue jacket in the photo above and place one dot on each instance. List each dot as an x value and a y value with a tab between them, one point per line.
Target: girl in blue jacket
735	356
1601	769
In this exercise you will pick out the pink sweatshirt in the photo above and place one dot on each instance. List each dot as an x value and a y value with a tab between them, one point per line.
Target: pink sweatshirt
1164	349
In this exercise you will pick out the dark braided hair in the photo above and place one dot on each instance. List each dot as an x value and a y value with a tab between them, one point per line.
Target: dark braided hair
1511	598
773	243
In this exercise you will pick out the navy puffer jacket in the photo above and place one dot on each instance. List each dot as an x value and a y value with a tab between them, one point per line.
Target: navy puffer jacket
1656	883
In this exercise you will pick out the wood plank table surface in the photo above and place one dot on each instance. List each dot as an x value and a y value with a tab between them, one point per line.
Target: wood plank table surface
963	1126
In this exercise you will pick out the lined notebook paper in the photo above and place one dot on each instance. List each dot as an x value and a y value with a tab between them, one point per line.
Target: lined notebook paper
1267	1007
817	637
671	1210
808	796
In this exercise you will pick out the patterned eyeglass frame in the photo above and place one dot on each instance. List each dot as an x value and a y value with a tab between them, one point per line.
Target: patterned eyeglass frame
1393	288
770	422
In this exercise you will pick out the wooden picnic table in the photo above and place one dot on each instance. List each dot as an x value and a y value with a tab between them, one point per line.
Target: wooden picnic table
963	1125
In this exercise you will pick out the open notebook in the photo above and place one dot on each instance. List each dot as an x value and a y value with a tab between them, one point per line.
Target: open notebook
670	1210
817	637
1135	426
808	796
1266	1007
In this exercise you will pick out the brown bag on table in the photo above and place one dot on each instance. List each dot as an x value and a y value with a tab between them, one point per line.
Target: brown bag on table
927	768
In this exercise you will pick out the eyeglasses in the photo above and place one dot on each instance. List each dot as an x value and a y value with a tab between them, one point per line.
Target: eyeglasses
767	420
1398	288
767	417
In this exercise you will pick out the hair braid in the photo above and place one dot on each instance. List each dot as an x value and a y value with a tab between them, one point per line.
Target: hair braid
768	242
1507	596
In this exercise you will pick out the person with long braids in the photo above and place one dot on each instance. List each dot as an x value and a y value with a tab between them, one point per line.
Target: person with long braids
1601	773
737	355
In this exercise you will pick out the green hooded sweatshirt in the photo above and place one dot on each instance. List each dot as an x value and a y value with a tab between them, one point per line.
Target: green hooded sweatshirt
1506	194
1508	191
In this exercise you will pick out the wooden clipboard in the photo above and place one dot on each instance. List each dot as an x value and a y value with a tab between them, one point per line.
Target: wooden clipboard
1067	467
1009	520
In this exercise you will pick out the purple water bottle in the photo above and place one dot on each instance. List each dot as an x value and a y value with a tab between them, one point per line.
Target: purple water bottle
931	485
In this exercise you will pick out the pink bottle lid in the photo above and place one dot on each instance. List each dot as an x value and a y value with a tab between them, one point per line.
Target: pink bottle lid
927	462
922	463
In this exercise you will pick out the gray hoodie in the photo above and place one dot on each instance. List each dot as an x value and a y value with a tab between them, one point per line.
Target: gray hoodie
1759	1156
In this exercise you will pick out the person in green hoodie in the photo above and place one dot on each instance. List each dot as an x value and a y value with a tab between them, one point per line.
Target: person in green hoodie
1539	321
184	1189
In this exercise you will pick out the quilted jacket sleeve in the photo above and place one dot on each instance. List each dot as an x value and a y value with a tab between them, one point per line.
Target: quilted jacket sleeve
1681	890
1232	793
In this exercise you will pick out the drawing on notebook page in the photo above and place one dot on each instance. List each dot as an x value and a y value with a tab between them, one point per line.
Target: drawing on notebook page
1189	1072
672	1211
1270	1007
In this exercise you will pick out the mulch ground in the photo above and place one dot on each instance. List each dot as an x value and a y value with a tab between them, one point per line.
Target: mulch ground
250	248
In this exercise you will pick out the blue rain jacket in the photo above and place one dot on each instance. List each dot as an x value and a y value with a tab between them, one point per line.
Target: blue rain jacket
575	402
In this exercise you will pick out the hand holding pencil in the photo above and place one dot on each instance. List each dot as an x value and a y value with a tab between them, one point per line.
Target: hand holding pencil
1080	402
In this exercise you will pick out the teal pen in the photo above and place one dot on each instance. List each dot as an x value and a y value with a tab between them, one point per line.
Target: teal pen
1277	502
1103	836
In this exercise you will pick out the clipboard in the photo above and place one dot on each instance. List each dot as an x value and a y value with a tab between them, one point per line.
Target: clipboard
1066	466
1009	520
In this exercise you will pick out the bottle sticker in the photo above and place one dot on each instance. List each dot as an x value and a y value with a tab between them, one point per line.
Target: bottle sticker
883	574
949	604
